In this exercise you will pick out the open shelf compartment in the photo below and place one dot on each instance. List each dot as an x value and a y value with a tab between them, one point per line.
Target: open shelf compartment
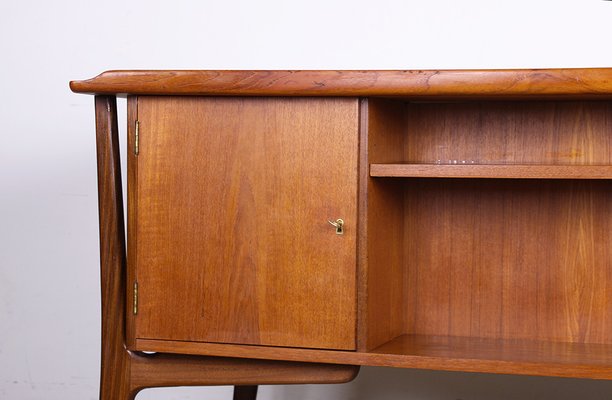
493	275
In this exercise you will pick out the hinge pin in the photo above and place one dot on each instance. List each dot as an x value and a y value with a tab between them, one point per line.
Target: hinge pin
135	298
136	137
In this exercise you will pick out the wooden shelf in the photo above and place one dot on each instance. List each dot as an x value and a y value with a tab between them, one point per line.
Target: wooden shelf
509	356
445	353
498	171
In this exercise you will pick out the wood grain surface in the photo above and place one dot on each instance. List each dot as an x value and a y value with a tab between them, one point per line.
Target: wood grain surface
534	83
544	133
381	221
491	171
132	218
509	259
124	373
234	198
506	259
115	360
166	370
516	357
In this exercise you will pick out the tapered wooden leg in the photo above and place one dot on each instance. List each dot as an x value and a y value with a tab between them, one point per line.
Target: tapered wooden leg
115	359
245	392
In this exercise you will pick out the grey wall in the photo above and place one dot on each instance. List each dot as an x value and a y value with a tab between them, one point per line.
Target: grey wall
49	283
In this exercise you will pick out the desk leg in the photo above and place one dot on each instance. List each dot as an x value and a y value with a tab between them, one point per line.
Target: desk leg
245	392
115	359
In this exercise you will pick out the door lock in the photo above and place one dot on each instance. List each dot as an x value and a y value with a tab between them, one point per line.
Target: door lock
339	224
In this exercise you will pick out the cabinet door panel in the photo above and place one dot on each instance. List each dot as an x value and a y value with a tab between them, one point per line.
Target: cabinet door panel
233	243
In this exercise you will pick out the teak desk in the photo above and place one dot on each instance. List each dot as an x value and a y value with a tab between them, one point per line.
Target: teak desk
290	226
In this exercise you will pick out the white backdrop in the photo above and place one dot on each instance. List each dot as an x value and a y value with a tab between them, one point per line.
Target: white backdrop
49	282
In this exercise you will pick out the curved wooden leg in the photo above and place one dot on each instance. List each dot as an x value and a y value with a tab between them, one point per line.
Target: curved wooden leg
245	392
115	359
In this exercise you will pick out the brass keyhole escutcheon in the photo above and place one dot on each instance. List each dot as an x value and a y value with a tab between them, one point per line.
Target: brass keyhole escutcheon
339	224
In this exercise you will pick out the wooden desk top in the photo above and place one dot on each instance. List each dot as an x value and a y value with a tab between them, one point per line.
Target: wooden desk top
593	83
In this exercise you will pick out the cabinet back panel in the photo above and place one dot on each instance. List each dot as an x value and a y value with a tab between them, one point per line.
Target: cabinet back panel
509	259
509	133
232	239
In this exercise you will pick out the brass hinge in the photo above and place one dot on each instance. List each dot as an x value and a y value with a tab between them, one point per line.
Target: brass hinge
136	137
135	298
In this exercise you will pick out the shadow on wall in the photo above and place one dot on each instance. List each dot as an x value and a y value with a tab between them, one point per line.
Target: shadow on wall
393	384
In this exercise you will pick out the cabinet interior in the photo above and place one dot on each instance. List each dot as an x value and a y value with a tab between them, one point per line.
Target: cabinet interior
485	265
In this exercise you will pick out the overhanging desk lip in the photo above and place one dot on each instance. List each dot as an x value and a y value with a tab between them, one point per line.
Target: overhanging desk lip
438	85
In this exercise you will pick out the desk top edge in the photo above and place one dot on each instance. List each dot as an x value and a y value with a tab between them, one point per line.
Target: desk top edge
418	84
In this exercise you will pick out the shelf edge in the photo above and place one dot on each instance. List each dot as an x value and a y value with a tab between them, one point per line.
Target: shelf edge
498	171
